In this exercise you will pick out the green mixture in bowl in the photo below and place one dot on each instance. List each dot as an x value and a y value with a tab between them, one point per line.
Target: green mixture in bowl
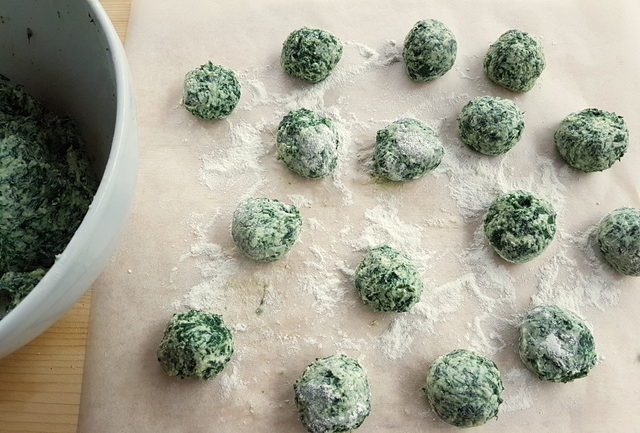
45	190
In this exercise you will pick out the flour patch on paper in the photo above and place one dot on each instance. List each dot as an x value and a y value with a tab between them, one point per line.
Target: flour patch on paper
325	280
215	267
237	164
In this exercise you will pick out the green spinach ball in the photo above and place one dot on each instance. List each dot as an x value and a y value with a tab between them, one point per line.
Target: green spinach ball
195	344
556	344
406	149
618	236
514	61
464	388
265	229
592	139
308	143
310	54
429	50
387	280
519	226
332	395
210	91
490	125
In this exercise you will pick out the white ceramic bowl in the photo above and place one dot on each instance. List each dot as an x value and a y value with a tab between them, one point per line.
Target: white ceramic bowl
67	54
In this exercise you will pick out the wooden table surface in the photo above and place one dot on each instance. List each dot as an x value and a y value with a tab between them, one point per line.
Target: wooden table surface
40	384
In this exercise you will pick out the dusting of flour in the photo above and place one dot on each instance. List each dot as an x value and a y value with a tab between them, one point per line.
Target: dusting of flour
484	293
215	265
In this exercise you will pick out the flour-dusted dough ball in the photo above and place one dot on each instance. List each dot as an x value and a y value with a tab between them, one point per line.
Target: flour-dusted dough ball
387	280
519	226
332	395
210	91
310	54
490	125
195	344
514	61
592	139
308	143
556	344
265	229
618	236
464	388
429	50
406	149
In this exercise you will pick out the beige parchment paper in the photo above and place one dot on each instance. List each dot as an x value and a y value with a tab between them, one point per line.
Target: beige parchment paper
177	251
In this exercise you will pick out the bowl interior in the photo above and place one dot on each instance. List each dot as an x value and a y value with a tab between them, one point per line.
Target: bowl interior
67	54
60	54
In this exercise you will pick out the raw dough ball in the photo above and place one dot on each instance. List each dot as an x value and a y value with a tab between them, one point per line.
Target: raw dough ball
519	226
464	388
406	149
490	125
265	229
556	344
514	61
310	54
308	143
429	50
387	280
195	344
619	239
592	139
15	286
333	395
210	91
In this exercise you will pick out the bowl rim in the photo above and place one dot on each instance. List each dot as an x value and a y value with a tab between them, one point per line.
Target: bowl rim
40	294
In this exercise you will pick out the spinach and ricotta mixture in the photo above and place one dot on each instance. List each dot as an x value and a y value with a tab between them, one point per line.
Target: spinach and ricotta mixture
332	395
514	61
210	91
406	149
490	125
464	388
265	229
519	226
618	236
429	51
556	344
308	143
592	139
387	280
195	344
14	286
310	54
45	190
